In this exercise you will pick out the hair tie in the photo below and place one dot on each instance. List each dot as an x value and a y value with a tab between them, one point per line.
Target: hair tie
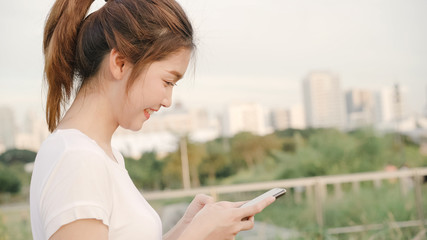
96	5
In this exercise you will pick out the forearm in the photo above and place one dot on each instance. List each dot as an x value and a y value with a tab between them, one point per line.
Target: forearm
177	230
185	230
193	232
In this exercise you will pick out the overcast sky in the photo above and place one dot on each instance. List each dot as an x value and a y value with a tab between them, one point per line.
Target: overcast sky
255	51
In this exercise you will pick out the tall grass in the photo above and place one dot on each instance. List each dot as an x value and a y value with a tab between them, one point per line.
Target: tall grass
15	224
384	205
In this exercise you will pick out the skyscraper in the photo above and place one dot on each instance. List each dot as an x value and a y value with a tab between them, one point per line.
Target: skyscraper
293	117
361	108
297	116
393	104
280	119
323	101
244	117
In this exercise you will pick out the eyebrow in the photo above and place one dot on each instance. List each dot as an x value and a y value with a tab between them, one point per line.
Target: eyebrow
176	74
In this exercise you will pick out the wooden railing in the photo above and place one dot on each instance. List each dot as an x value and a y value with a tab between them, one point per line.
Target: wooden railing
316	190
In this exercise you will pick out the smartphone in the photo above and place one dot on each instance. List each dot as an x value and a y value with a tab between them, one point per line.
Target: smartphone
275	192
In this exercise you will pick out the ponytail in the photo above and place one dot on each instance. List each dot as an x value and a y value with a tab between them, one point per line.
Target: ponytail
59	45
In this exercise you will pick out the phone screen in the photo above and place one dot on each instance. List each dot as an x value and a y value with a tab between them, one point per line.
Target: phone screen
275	192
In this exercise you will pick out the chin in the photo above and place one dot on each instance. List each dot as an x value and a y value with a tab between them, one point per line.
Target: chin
136	128
133	126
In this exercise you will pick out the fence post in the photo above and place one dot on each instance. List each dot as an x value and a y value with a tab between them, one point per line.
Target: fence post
338	191
377	183
356	186
214	194
309	193
298	194
319	194
405	183
419	198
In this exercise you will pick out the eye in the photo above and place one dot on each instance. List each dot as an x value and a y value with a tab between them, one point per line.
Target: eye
169	83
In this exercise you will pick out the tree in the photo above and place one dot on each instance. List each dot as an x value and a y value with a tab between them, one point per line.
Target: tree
216	160
253	149
172	171
196	154
9	182
146	171
245	146
12	156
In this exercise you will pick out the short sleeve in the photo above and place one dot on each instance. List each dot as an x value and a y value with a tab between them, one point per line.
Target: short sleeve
78	188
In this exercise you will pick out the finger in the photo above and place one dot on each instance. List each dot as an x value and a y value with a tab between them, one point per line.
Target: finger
239	204
250	218
257	208
247	225
227	204
203	199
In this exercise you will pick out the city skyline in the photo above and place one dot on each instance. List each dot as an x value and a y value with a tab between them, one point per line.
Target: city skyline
384	110
253	51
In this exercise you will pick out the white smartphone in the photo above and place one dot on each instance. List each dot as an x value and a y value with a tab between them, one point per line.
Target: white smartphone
275	192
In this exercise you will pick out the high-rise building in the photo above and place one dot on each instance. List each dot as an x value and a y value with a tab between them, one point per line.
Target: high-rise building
361	108
7	128
33	133
244	117
288	118
393	105
280	119
323	101
297	115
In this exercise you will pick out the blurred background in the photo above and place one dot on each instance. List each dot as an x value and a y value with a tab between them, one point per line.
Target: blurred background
326	98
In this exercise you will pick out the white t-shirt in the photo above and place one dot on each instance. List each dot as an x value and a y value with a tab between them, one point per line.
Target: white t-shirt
74	178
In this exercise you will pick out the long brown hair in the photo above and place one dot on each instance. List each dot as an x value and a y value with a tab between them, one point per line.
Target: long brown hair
143	31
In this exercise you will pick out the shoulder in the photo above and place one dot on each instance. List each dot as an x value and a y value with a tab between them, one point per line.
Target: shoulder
70	139
69	156
69	143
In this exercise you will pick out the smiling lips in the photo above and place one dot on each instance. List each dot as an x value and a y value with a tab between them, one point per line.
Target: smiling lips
148	112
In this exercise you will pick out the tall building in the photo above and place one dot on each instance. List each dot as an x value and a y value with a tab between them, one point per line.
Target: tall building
323	101
7	128
33	133
393	105
280	119
288	118
361	108
298	119
244	117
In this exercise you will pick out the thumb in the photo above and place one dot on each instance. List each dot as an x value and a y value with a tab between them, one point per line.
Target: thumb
203	199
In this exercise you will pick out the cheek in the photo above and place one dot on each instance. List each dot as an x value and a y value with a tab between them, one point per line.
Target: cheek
132	115
135	99
129	109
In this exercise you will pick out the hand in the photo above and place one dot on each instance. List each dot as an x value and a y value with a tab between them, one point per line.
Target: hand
195	206
223	220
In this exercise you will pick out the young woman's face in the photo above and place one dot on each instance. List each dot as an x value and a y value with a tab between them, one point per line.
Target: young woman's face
153	89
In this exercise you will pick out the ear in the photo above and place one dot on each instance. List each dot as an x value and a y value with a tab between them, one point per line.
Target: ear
118	64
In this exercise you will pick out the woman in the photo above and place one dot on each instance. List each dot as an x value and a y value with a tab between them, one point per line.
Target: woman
122	62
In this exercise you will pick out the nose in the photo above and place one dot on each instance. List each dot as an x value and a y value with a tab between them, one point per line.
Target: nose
167	100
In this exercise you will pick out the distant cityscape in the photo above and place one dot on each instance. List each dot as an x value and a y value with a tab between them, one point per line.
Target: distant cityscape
325	105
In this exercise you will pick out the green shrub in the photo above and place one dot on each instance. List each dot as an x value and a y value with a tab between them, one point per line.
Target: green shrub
9	182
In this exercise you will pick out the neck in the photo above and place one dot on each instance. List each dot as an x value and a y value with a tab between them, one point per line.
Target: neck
91	114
